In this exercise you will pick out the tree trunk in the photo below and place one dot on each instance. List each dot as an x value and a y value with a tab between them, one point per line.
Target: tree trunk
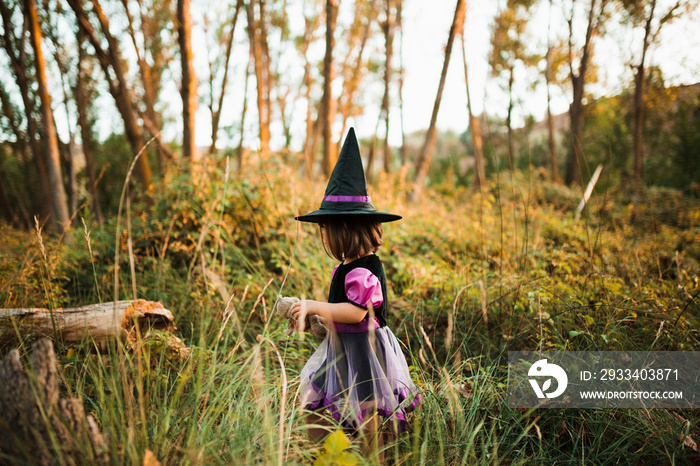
310	25
509	122
148	91
244	111
81	102
399	22
553	160
389	41
267	74
19	63
256	52
475	130
370	158
426	153
573	168
99	322
573	171
347	100
216	111
61	216
327	107
189	81
639	79
118	87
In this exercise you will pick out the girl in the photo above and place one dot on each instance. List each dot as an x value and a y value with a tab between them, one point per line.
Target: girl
358	372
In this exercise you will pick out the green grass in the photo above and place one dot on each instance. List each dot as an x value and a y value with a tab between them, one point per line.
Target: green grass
624	277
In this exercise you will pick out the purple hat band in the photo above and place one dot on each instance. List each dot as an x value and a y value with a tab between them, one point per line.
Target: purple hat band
347	198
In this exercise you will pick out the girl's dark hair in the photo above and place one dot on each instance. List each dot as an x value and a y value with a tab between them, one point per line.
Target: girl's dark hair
350	238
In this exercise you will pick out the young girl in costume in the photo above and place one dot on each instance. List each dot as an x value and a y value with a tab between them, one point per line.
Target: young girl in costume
358	372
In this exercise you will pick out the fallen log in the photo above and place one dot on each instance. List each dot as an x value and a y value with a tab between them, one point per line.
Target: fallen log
36	425
99	322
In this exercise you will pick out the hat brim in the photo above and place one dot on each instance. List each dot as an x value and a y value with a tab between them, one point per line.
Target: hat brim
318	216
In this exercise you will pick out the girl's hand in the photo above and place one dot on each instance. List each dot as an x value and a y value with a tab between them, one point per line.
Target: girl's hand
301	309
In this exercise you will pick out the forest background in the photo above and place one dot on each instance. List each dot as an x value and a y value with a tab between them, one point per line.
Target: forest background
105	194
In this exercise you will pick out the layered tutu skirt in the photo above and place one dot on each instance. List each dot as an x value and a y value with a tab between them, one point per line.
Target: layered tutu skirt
354	374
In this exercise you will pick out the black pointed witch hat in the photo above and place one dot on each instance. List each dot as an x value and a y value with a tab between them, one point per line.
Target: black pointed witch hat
346	193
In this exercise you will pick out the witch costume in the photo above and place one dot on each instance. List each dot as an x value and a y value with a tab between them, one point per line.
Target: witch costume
358	369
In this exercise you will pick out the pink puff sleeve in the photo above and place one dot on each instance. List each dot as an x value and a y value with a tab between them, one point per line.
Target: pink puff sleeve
363	288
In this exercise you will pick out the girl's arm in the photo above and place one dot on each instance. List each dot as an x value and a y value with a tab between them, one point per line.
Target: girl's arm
343	313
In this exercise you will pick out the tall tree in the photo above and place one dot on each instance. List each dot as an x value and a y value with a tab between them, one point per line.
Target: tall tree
553	158
15	48
353	71
327	107
113	67
84	94
507	50
244	111
255	37
60	213
474	129
49	16
311	23
402	72
596	12
216	105
388	27
153	56
426	153
645	12
188	91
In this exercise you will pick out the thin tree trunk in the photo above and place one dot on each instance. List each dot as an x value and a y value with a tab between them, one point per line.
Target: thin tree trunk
399	22
389	41
573	168
148	92
244	111
306	83
267	74
81	102
189	81
256	52
426	153
553	159
118	87
474	129
19	62
69	150
372	155
327	110
348	98
639	79
573	172
121	92
53	162
509	122
216	111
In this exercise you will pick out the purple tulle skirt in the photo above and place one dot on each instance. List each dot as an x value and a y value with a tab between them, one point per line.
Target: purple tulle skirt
353	377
